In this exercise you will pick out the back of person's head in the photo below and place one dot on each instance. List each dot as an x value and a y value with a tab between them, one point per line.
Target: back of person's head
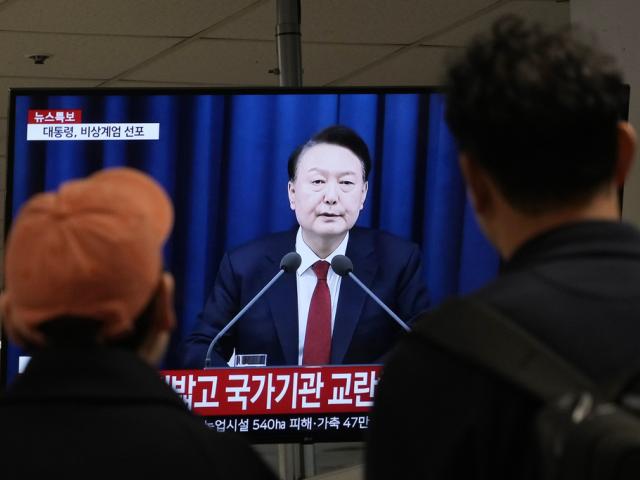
84	264
339	135
538	111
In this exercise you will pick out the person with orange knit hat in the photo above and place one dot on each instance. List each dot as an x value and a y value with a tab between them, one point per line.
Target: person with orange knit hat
87	296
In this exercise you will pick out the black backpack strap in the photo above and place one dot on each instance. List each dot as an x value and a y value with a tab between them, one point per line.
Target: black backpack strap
484	335
627	382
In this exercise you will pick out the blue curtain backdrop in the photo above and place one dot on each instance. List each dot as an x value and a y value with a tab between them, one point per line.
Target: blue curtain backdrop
222	157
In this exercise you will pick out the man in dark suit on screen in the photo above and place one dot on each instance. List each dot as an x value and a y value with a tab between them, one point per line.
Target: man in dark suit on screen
314	316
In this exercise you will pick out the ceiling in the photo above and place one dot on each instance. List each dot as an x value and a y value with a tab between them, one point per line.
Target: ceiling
125	43
161	43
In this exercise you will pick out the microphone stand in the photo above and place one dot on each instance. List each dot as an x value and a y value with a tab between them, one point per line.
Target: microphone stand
207	362
342	265
380	302
289	263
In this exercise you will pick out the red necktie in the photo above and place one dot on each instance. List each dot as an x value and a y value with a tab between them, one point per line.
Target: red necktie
317	340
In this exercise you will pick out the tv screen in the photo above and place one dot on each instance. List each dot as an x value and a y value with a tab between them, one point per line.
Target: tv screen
222	155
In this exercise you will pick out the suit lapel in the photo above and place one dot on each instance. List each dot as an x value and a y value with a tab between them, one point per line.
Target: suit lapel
283	303
351	298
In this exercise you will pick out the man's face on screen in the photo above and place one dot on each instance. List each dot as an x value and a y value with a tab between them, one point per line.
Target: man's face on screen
328	191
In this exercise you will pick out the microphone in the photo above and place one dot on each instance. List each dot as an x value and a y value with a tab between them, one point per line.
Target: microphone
342	266
289	264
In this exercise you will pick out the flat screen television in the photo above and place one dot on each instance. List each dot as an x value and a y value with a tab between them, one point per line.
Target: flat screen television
222	154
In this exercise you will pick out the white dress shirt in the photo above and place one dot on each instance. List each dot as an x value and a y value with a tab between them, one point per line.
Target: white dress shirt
306	283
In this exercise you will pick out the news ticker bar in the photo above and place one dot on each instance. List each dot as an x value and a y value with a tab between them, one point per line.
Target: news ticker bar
342	426
93	131
256	391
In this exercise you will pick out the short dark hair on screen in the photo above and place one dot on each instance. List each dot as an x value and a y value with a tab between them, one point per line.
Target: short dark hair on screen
538	110
334	135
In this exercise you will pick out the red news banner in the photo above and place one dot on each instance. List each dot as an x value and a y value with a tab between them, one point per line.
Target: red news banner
54	116
276	390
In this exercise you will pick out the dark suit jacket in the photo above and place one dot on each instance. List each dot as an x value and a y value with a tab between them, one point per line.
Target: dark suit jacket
577	289
362	333
102	413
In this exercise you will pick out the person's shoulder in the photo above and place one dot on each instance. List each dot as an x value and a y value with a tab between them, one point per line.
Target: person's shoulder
274	242
227	454
381	239
278	238
423	349
417	354
235	458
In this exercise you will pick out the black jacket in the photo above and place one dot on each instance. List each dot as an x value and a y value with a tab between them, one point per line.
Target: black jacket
577	289
103	413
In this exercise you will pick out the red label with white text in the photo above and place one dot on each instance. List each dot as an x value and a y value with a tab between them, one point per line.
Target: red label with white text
58	116
276	390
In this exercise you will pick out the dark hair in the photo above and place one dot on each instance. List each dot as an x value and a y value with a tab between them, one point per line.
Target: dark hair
538	111
334	135
73	332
